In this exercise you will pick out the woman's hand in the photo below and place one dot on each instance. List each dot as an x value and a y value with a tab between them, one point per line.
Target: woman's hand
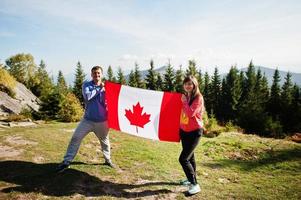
183	98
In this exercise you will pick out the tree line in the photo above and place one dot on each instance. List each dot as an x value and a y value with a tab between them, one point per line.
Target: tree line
242	98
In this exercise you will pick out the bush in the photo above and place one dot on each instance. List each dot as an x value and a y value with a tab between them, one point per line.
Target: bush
230	127
71	109
7	83
274	128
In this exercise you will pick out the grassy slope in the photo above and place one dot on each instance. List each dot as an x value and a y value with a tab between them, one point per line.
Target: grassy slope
231	166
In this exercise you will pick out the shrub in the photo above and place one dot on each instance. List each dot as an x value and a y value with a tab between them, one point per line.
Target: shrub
7	82
71	109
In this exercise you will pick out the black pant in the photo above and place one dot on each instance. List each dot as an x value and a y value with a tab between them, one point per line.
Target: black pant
189	142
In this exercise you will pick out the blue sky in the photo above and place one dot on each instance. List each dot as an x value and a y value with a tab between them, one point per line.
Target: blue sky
119	33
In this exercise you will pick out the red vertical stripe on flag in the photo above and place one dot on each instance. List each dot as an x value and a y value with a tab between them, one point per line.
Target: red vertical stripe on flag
169	123
112	95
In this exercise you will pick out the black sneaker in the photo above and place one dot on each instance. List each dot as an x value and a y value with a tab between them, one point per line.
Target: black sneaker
110	164
62	167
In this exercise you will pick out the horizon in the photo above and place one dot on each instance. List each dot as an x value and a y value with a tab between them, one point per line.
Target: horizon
215	34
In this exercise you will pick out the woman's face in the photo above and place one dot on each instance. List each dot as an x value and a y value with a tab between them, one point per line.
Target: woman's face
188	87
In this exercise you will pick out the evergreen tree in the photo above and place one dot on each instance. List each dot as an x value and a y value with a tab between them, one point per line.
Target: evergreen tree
51	104
295	110
200	81
110	74
78	82
138	79
43	84
251	114
179	77
169	78
151	79
286	98
132	81
61	83
120	76
192	69
215	92
274	101
206	93
231	94
159	85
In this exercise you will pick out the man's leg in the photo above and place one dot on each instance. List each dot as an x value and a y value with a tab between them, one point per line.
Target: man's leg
101	130
81	131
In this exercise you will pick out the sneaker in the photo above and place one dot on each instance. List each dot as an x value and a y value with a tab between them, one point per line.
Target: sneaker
184	182
193	189
62	167
110	164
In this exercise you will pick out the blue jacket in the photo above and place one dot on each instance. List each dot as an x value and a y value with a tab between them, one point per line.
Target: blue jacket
95	106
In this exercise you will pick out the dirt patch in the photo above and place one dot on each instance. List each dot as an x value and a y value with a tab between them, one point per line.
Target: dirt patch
67	130
18	140
6	151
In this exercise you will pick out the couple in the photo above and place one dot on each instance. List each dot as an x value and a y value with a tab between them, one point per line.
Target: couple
95	120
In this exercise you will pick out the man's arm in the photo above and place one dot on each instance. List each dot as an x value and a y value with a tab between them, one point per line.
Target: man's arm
88	95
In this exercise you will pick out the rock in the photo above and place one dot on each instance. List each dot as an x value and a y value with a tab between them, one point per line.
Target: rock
24	99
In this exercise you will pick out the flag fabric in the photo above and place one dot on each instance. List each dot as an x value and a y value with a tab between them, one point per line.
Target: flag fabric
144	113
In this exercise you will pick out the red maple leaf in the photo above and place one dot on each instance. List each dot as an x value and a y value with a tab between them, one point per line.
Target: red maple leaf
136	117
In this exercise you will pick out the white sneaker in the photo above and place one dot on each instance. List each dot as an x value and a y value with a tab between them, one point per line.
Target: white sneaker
193	189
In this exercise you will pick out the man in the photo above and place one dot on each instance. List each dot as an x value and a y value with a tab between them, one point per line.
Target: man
94	120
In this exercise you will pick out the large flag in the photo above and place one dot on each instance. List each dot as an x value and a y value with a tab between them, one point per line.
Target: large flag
145	113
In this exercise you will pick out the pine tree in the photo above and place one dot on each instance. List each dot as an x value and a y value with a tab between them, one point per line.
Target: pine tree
138	79
120	76
110	74
215	92
78	82
132	82
296	110
51	104
192	69
231	94
169	78
206	93
200	81
274	101
151	79
61	83
179	77
251	113
286	98
159	82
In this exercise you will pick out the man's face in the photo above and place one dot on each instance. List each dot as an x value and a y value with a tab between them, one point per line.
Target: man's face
96	75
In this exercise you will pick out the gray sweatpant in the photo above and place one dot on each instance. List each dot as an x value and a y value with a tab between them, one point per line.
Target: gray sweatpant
84	127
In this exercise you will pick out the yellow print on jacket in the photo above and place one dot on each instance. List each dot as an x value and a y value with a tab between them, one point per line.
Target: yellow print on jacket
184	118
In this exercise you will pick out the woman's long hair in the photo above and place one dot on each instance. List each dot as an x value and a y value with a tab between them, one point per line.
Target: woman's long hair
195	91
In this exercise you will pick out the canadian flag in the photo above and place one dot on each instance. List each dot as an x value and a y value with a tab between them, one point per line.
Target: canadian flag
144	113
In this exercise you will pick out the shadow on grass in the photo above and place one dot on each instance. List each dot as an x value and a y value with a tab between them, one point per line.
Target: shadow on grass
264	159
41	178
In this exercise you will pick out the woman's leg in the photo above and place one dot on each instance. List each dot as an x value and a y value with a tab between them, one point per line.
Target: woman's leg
189	143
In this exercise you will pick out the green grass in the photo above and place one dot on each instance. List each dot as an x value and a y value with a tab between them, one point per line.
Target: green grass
230	166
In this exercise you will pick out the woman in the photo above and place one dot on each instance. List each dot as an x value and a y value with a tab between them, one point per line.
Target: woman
191	130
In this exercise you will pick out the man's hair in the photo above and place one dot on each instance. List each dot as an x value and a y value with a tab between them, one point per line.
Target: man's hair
96	68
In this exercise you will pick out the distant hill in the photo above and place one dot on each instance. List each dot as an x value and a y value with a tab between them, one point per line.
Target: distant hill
269	72
160	70
296	77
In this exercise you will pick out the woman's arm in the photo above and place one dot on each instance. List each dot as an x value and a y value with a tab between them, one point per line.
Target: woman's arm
194	108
